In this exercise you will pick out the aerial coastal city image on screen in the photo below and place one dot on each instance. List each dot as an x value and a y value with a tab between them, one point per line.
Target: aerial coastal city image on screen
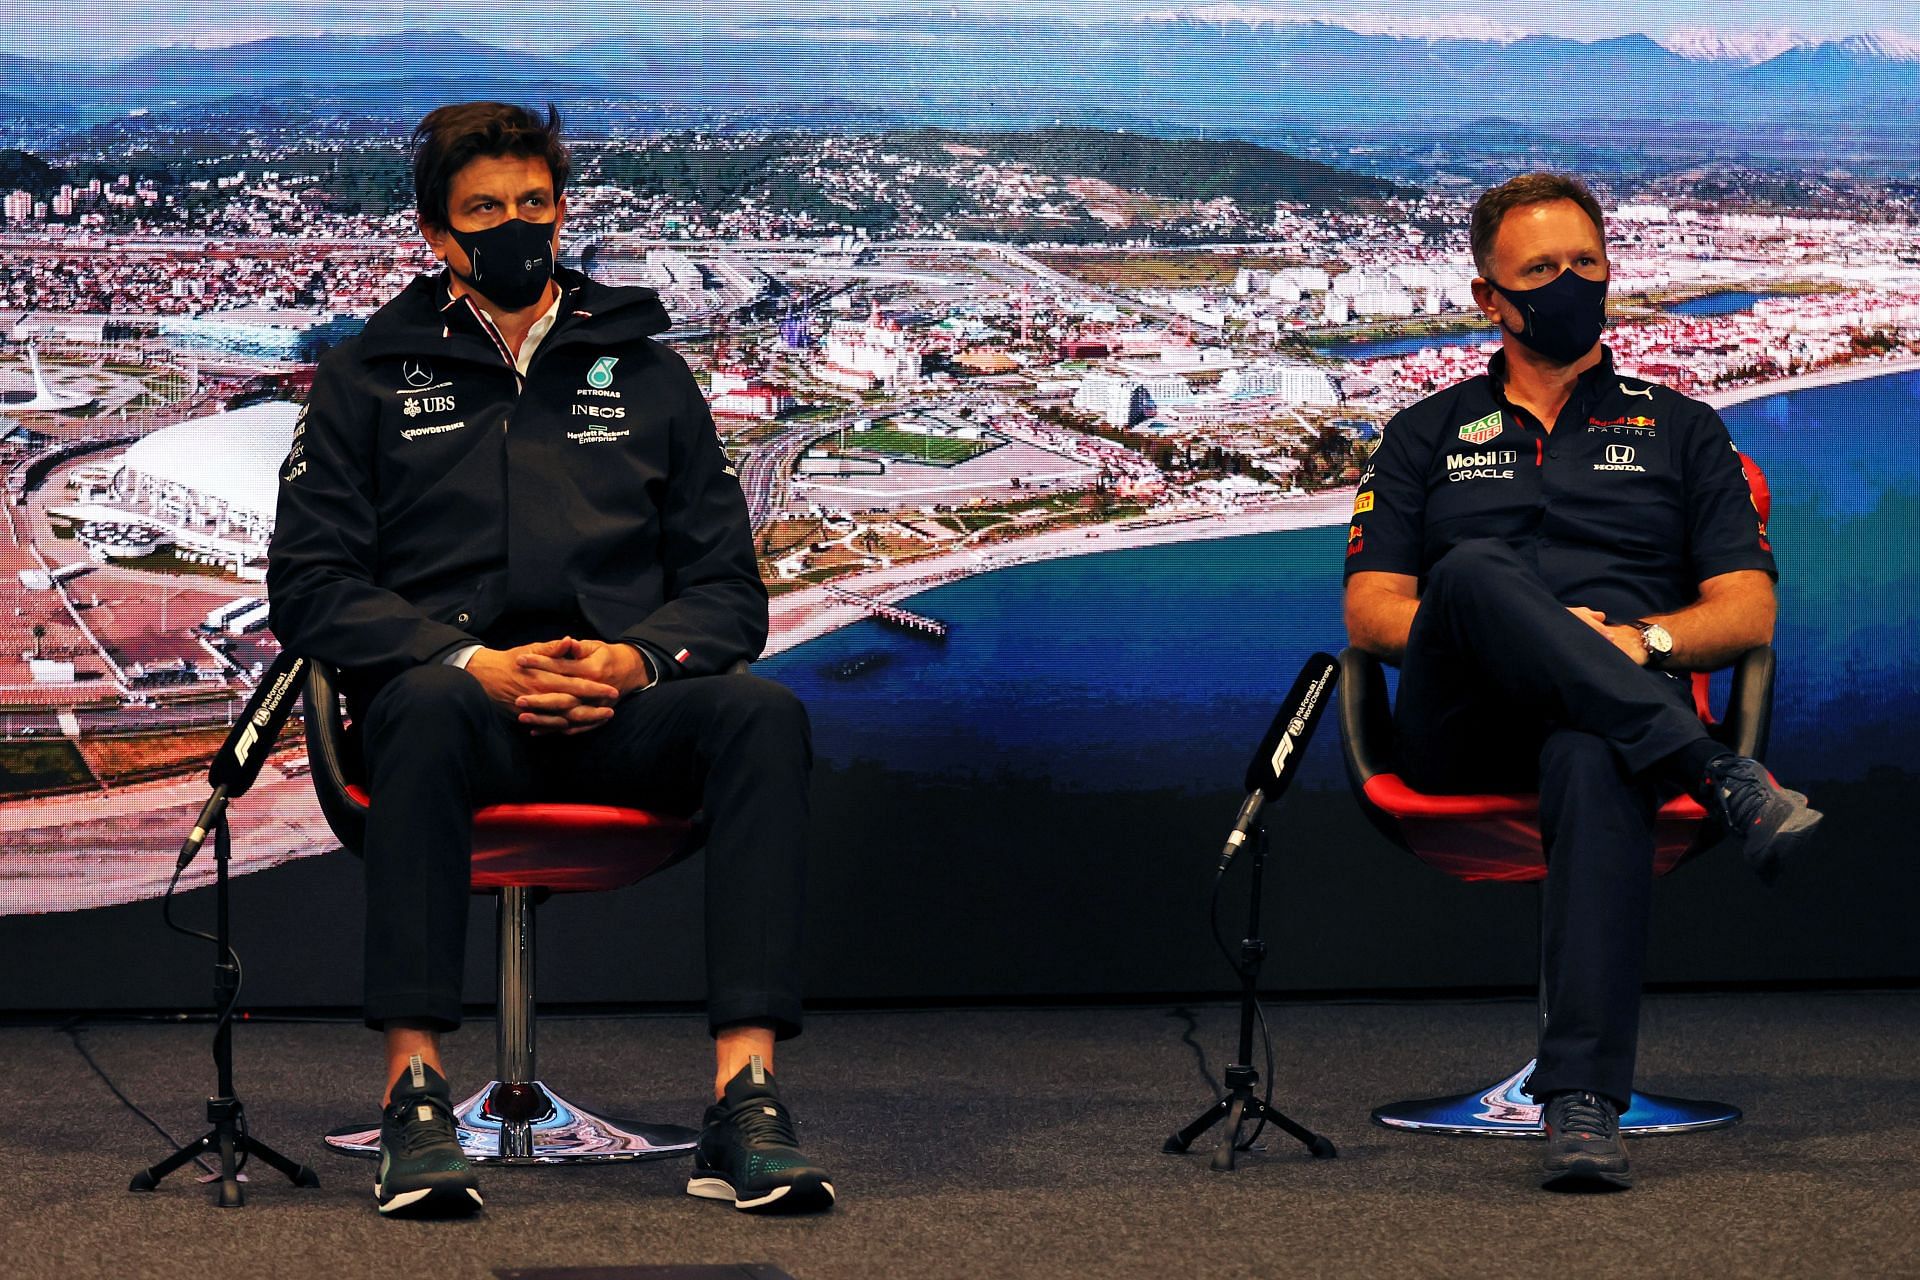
1034	338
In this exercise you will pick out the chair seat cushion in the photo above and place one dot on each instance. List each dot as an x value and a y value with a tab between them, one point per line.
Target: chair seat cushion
571	848
1497	837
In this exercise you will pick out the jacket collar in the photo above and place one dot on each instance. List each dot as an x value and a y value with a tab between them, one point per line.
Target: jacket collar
424	317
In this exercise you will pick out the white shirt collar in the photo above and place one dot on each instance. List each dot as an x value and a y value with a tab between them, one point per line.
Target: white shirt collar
541	328
535	334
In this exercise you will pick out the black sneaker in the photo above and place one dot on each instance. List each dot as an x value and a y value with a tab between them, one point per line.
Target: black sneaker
423	1172
748	1152
1771	823
1583	1145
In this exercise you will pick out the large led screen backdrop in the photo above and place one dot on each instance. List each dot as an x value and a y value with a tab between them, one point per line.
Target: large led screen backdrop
1050	342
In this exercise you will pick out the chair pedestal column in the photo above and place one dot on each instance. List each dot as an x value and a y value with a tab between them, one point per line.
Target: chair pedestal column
513	1099
515	1118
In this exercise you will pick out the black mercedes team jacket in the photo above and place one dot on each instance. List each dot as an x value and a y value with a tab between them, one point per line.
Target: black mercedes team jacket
432	500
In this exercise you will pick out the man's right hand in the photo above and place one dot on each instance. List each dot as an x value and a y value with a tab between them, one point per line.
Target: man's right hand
555	703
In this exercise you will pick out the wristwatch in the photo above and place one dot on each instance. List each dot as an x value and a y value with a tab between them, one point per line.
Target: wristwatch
1658	640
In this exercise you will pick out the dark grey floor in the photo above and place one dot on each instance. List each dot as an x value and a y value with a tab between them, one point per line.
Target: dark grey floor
1026	1143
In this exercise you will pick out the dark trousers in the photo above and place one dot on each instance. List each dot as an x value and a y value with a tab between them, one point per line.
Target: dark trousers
437	748
1502	689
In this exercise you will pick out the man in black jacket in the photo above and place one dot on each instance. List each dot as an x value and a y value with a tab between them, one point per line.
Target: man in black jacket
507	519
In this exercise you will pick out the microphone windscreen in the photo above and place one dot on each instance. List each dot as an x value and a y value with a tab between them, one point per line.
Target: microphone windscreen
1278	758
239	759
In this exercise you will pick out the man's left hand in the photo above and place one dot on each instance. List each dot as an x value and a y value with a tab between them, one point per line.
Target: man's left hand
1627	639
619	665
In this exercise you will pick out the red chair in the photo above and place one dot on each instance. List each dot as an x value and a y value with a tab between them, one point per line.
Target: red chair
1497	837
521	853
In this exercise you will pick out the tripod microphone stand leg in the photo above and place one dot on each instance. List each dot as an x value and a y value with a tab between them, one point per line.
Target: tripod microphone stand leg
1223	1154
149	1178
1213	1115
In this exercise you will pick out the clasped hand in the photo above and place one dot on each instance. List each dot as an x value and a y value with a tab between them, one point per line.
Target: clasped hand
563	686
1627	639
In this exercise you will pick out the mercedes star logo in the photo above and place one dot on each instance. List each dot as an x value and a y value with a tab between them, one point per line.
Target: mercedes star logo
416	373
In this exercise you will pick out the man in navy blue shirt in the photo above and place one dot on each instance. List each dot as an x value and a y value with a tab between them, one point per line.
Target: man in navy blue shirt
1546	550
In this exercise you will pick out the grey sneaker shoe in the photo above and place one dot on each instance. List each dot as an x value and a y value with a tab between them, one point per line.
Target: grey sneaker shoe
1772	825
1583	1145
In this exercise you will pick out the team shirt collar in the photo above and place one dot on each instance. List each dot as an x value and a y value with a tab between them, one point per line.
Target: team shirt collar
1497	372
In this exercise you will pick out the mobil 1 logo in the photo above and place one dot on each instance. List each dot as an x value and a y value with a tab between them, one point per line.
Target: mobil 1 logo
1487	464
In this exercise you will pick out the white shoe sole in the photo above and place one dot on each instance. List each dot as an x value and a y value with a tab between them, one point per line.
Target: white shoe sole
721	1189
407	1199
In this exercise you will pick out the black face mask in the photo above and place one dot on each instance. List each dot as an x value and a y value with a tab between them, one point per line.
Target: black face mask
512	262
1564	316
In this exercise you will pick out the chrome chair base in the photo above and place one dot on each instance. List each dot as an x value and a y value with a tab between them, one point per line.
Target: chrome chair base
531	1124
1505	1111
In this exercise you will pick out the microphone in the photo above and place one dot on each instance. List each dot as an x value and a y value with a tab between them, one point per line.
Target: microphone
242	755
1271	771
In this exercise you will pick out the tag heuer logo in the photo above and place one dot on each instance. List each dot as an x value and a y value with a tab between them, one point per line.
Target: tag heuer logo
1482	430
600	377
411	408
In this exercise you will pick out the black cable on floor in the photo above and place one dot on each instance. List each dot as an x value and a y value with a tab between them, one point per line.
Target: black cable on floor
74	1031
1199	1051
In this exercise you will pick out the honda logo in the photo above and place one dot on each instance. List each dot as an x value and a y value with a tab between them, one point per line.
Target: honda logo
1619	455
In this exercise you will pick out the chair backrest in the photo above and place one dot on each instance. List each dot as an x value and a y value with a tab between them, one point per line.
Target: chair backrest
1762	498
1757	488
338	771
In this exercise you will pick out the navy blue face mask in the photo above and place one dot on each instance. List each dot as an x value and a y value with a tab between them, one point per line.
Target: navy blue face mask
512	262
1563	317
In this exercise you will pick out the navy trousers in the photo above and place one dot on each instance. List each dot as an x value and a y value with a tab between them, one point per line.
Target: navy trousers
437	748
1502	689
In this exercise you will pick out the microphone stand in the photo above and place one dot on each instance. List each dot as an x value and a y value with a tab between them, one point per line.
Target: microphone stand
1241	1103
229	1135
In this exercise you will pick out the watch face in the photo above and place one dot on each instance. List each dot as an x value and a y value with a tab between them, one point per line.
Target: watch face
1657	639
